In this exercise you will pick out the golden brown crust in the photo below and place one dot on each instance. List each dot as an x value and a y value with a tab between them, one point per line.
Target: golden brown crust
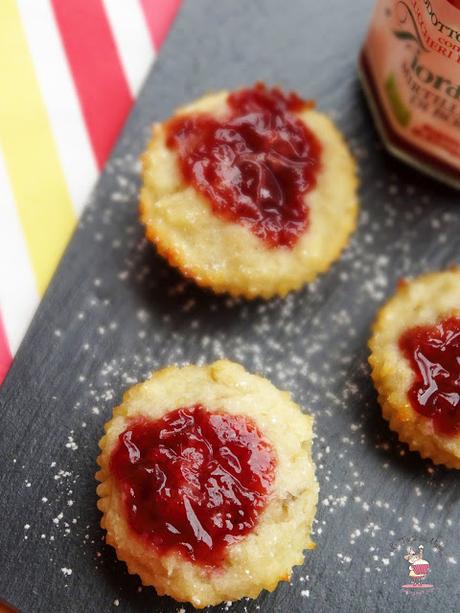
228	257
423	301
267	555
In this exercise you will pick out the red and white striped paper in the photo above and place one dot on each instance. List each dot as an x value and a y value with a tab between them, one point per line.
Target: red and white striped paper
69	73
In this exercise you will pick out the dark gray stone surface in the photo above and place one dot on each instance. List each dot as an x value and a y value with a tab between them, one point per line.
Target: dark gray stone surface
115	311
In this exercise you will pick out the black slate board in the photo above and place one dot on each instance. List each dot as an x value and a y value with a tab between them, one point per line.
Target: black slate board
115	311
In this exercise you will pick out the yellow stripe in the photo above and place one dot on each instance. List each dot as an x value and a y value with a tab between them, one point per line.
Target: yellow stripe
41	194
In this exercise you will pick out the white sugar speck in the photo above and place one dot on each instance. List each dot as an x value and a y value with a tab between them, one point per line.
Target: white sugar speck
71	444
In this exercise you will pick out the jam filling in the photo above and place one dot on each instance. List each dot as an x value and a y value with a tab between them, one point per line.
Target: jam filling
434	355
193	481
255	165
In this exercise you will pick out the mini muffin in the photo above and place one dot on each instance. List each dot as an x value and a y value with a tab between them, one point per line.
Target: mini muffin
251	192
415	364
208	489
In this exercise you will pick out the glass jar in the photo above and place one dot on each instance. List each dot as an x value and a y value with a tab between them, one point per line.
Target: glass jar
410	70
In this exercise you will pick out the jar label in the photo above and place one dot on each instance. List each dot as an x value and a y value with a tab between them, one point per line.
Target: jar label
412	58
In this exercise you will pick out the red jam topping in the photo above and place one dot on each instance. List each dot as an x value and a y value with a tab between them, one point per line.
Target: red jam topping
434	354
194	481
254	166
